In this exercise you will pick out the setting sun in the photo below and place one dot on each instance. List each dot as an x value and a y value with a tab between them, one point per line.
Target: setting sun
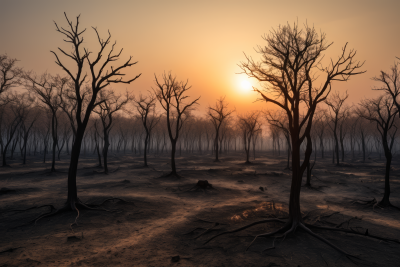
245	85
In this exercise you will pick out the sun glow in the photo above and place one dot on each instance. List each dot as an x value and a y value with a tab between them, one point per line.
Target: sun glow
245	85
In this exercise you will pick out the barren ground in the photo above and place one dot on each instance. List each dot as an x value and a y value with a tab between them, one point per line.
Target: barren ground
158	226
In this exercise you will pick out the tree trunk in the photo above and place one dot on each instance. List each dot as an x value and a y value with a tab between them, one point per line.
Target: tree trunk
73	169
173	150
145	149
105	151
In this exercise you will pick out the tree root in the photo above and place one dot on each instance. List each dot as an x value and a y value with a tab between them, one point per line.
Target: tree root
352	231
288	228
365	202
207	230
245	227
69	206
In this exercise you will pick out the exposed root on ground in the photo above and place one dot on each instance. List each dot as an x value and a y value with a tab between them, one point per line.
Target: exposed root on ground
365	202
245	227
352	231
375	204
289	228
69	206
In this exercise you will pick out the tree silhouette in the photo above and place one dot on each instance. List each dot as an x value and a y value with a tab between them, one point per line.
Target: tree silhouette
390	83
47	88
335	103
217	115
249	126
146	108
109	103
85	99
10	74
383	112
172	94
288	70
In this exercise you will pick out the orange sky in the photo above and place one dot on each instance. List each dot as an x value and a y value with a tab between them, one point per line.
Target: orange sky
202	41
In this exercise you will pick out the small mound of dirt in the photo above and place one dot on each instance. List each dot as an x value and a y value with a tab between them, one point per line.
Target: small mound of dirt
203	184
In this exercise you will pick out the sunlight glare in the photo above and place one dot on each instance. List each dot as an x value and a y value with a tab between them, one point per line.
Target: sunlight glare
245	85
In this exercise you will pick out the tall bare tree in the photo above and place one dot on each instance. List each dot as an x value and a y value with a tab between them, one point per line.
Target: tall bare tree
288	70
390	83
337	113
249	126
11	117
172	95
217	115
383	112
109	103
10	74
146	106
47	88
101	74
278	120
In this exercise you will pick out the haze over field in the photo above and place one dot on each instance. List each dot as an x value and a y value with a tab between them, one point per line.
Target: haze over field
202	41
130	134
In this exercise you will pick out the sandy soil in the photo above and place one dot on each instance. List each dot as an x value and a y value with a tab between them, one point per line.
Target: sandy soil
167	219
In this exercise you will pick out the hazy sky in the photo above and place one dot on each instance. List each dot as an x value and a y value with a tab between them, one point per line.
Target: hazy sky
202	41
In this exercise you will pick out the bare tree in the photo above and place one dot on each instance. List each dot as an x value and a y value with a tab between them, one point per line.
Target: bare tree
11	116
47	88
335	102
172	94
101	75
288	70
146	108
249	125
383	112
10	74
278	120
390	83
26	127
217	115
109	103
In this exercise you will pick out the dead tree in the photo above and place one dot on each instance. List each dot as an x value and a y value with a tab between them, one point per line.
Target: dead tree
146	108
10	74
26	127
335	102
383	112
390	83
217	115
249	125
11	116
47	88
101	75
278	120
288	70
320	126
109	103
172	94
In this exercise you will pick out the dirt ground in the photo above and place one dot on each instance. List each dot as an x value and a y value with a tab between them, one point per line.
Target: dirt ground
164	218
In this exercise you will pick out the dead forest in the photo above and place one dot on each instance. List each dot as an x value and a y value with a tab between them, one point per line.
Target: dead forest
93	176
